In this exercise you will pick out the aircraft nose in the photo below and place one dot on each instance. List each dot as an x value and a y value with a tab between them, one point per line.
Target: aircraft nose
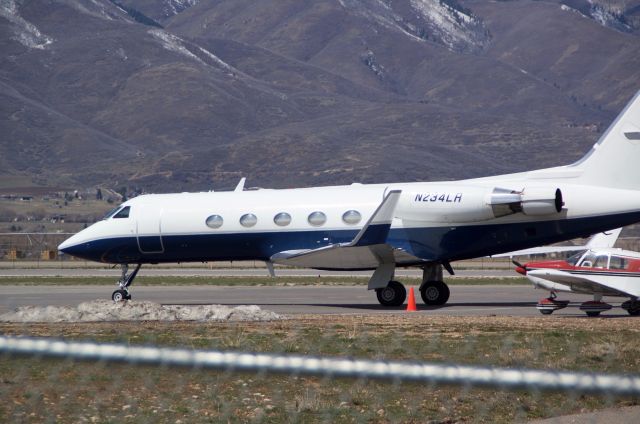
521	270
68	246
62	247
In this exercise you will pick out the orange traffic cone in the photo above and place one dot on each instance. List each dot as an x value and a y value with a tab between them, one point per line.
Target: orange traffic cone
411	303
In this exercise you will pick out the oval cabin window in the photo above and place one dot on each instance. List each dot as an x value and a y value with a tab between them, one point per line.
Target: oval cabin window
317	218
282	219
214	221
248	220
351	217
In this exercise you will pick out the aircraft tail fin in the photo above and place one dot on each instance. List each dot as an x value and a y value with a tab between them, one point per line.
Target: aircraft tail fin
606	239
614	161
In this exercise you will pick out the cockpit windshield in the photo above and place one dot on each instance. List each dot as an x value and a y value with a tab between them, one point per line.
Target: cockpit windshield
112	212
123	213
573	259
119	212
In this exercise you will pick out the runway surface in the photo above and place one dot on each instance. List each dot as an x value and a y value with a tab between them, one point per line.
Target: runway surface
234	272
464	300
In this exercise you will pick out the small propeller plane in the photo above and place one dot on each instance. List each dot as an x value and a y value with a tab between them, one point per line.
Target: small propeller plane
380	226
573	274
605	271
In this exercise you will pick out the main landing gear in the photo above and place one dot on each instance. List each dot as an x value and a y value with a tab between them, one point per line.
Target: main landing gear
392	295
594	307
632	306
434	293
125	281
433	290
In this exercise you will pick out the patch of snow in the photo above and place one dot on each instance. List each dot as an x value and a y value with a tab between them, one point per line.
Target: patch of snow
608	15
434	20
370	60
452	26
106	310
217	60
173	43
121	54
566	8
97	9
381	13
173	7
25	32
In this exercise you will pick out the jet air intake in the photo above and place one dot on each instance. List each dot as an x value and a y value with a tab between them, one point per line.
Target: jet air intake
532	201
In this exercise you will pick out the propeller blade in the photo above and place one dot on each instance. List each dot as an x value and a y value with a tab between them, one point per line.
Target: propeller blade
520	269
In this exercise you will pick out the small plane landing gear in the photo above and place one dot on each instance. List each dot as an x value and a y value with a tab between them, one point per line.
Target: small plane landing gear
392	295
550	304
632	306
434	293
125	281
593	308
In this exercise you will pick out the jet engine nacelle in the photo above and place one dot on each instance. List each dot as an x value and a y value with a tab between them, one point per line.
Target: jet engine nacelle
461	204
533	201
541	201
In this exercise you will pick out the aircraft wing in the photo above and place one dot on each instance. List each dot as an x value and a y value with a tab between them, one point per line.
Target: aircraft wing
367	250
577	282
539	250
600	240
336	256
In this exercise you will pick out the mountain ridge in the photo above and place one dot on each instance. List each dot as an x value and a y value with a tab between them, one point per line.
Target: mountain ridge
297	92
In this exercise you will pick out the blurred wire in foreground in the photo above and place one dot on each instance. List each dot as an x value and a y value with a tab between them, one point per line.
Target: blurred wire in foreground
452	374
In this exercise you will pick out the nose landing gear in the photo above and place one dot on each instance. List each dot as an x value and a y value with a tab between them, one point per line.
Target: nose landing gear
550	304
125	281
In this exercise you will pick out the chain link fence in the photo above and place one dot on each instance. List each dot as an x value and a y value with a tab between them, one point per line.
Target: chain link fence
396	367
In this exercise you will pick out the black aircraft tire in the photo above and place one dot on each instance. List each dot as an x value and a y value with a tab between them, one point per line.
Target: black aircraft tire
546	311
120	296
392	295
435	293
593	313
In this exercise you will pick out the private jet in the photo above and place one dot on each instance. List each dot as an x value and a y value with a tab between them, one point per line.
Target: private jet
378	227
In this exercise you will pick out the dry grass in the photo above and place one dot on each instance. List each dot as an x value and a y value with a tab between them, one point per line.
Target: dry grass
57	390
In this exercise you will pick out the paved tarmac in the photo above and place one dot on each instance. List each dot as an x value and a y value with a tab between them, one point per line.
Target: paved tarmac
235	272
500	300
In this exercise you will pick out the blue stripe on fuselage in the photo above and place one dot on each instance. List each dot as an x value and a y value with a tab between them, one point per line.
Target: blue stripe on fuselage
430	243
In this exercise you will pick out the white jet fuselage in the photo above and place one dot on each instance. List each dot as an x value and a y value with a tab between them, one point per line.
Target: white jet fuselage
433	222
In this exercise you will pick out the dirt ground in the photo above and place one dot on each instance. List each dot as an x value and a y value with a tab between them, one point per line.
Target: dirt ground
38	390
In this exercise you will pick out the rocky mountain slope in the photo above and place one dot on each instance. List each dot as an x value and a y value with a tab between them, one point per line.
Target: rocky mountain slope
186	94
